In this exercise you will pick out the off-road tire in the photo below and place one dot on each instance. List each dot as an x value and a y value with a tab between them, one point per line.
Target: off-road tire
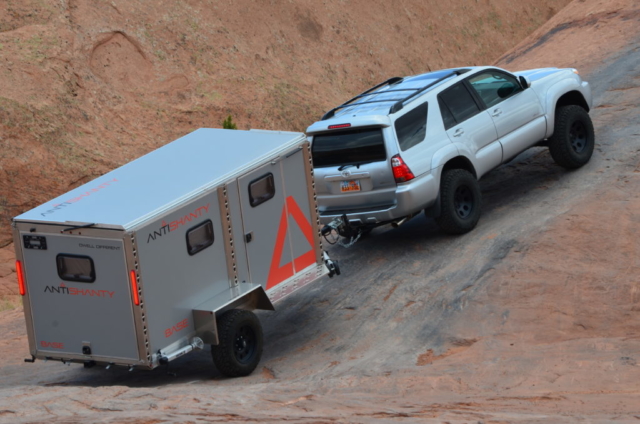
240	348
573	139
460	200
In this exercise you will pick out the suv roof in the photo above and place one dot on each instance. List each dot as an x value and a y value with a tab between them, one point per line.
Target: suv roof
389	96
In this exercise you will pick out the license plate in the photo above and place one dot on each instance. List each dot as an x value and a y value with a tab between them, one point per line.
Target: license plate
351	185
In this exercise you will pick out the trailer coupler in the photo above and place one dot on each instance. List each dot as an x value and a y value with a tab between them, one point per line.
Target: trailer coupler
196	344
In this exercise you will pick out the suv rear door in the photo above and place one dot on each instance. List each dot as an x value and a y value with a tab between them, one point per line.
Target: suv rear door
352	170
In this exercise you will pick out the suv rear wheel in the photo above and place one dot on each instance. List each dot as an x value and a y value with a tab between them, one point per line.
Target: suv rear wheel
573	140
460	201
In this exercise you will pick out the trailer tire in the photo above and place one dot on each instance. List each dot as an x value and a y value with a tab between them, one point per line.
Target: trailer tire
240	347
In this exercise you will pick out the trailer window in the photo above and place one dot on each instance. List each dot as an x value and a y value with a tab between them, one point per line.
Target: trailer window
76	268
200	237
261	190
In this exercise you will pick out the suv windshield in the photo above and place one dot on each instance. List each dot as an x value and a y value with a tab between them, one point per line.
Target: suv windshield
348	148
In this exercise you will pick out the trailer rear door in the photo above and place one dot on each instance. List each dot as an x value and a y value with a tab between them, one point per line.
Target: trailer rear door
80	297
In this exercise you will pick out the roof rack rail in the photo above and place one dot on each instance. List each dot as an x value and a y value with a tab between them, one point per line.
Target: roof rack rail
399	103
392	80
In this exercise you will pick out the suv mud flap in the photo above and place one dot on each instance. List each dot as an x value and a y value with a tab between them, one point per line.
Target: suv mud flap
434	210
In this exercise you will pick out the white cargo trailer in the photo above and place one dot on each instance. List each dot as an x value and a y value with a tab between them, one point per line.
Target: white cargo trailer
172	251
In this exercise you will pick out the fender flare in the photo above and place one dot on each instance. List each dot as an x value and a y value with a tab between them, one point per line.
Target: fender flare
558	89
440	158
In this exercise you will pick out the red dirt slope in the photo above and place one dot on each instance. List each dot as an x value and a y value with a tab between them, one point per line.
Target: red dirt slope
86	86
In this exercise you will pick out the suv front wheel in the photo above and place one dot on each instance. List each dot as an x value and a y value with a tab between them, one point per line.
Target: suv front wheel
573	140
460	201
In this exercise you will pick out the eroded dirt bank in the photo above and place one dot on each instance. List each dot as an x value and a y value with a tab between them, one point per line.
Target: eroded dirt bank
86	86
533	317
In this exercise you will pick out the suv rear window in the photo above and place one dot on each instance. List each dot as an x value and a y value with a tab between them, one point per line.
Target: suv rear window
348	148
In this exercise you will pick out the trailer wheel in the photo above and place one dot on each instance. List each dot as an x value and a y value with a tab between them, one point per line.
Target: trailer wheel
240	348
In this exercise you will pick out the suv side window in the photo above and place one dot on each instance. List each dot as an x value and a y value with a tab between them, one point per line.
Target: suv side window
493	86
447	118
460	103
411	128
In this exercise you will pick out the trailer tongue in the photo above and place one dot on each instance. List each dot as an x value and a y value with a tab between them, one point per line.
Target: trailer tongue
171	252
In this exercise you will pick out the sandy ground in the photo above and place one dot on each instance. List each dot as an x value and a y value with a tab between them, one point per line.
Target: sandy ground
534	317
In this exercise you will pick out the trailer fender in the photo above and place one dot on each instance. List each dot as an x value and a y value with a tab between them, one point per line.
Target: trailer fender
204	315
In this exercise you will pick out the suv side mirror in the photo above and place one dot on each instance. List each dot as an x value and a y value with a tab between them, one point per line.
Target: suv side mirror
524	82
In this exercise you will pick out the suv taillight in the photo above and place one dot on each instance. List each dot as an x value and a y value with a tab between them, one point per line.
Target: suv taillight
401	171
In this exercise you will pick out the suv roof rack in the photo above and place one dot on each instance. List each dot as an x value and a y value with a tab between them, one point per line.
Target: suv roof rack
399	102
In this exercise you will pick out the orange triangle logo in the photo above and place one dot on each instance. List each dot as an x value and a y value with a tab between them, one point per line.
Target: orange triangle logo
277	273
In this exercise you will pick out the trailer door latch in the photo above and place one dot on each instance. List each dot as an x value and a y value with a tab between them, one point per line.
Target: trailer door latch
248	237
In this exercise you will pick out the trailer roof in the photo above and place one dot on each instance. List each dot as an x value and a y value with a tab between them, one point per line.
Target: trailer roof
167	176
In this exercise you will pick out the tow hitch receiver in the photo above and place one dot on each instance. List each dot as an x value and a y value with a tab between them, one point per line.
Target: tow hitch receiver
344	229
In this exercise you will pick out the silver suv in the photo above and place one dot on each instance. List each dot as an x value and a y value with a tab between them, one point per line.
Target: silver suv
422	142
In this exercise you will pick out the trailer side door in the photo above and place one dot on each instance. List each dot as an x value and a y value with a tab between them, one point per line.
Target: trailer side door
276	216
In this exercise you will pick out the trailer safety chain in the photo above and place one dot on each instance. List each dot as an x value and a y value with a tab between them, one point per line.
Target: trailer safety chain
351	242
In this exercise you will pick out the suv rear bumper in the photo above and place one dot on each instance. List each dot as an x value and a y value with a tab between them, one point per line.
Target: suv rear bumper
411	197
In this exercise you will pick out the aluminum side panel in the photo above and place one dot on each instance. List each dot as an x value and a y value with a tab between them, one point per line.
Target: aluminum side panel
269	249
235	212
175	282
67	315
300	217
26	299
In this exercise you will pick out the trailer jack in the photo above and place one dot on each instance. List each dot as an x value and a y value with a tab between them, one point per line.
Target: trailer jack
32	360
332	266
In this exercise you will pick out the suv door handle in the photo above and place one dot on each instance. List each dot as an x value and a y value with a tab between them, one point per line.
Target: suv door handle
496	113
458	132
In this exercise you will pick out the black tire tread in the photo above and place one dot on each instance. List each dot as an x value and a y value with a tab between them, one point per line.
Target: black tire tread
446	220
560	148
222	354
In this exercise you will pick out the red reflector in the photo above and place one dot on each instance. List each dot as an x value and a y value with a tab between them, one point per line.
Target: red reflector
333	127
134	287
20	278
401	171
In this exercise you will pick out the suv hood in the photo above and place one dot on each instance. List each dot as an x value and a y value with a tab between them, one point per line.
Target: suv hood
536	74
